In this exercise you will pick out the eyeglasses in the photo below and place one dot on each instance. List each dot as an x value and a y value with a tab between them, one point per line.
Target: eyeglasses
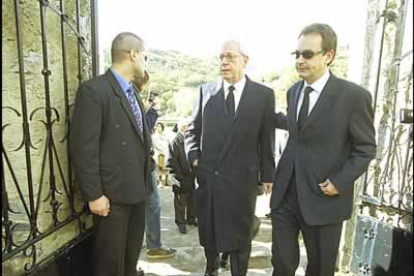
145	56
229	56
307	54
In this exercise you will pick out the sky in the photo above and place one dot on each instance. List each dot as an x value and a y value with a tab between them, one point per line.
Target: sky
268	28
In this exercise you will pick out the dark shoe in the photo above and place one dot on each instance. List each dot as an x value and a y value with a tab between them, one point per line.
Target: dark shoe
161	253
213	273
192	222
212	268
223	264
139	272
224	259
182	229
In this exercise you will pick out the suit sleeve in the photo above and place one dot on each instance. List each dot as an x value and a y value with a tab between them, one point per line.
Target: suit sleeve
267	140
362	138
86	131
280	121
173	161
192	135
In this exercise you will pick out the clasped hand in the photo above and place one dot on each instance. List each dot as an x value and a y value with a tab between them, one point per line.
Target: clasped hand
328	188
100	206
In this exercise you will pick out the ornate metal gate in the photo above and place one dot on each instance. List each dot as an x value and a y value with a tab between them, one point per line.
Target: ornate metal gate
48	50
383	234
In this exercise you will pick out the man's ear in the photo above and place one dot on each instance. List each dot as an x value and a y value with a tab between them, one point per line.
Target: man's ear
329	56
246	60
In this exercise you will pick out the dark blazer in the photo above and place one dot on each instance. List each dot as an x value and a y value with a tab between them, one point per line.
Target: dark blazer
110	154
233	158
337	142
179	165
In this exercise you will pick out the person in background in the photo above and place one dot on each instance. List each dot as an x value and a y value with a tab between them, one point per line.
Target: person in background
184	190
160	142
155	249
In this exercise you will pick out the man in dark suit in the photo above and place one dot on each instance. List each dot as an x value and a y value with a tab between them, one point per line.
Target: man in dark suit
331	143
230	144
184	191
110	146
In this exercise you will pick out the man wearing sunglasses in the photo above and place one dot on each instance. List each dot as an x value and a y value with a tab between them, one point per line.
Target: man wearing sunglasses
230	145
110	147
331	143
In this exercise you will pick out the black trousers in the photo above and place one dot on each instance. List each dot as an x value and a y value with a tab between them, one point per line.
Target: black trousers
118	240
239	260
321	241
184	207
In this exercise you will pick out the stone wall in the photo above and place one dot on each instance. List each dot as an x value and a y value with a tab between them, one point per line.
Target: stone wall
35	164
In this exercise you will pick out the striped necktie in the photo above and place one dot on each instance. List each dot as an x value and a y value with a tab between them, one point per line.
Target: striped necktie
136	109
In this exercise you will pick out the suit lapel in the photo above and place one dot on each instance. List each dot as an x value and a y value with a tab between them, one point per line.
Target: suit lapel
124	102
294	99
244	100
324	102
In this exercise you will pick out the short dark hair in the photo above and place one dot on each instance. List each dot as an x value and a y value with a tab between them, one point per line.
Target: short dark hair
329	38
161	124
123	43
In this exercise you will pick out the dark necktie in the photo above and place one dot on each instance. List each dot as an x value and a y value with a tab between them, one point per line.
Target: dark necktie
304	109
135	108
230	102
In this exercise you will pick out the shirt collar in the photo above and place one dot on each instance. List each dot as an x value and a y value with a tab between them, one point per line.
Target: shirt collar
319	85
125	85
239	86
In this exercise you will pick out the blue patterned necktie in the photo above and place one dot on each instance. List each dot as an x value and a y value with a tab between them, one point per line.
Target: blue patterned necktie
136	109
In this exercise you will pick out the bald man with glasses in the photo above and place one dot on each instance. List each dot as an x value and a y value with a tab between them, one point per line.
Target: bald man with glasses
110	148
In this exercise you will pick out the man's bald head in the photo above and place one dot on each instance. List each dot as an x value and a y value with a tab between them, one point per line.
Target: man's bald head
123	44
234	46
233	61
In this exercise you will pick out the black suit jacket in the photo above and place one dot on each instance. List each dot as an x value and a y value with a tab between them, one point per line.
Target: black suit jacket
110	154
337	142
179	165
233	157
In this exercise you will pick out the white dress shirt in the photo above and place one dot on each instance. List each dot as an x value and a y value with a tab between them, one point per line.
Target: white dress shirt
317	87
239	86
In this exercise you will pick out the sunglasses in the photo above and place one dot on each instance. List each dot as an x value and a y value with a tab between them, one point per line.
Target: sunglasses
307	54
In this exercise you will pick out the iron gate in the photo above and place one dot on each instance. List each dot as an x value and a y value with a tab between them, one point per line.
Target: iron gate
383	233
49	48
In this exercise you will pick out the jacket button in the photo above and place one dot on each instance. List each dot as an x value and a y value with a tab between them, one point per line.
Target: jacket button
117	125
124	143
130	161
216	173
